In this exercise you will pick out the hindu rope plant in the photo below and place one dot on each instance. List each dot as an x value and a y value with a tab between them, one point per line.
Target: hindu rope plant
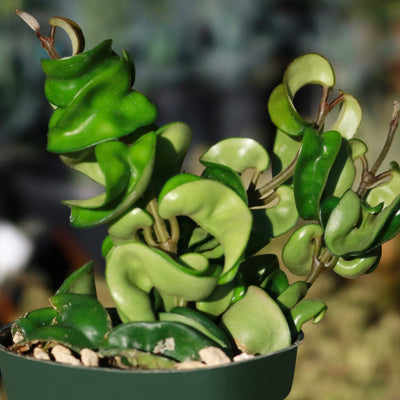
183	260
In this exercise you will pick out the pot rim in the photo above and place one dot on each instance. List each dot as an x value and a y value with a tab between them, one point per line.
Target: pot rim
5	331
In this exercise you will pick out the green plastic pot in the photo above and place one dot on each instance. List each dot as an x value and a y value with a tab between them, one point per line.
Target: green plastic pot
263	377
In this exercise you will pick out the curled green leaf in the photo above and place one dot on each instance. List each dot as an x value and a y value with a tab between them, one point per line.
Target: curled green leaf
283	215
349	117
385	192
238	154
292	295
275	283
354	267
126	227
173	141
73	31
140	158
352	228
257	324
342	174
284	151
96	106
217	209
305	70
300	249
306	310
114	179
133	269
227	176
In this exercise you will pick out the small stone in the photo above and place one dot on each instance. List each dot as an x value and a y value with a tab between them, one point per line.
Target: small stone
212	356
89	358
18	337
243	356
63	355
164	345
40	354
189	365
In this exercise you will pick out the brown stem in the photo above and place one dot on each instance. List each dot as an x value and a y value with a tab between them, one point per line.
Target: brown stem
368	177
48	43
326	260
323	108
72	29
389	139
316	270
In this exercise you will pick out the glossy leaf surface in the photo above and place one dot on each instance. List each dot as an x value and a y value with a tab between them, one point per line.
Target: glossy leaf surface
299	250
352	228
306	310
354	267
349	117
218	210
125	228
305	70
134	268
317	155
96	106
238	154
114	179
226	176
170	339
83	313
173	141
140	157
257	324
198	321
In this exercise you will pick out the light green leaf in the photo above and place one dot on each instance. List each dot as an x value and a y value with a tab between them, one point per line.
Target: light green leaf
217	209
349	118
238	154
134	268
257	324
305	70
298	252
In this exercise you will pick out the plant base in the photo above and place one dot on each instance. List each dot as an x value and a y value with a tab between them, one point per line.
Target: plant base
264	377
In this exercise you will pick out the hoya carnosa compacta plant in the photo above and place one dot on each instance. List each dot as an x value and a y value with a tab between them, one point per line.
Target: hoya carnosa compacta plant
183	260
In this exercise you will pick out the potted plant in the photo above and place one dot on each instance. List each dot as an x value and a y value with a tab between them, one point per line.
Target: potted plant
201	311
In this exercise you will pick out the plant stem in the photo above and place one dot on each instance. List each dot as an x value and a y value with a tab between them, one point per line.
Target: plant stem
368	177
174	231
48	43
164	240
279	179
159	226
320	264
323	108
148	237
389	139
316	270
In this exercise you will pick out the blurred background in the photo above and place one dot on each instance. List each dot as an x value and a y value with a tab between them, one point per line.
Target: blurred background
212	64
